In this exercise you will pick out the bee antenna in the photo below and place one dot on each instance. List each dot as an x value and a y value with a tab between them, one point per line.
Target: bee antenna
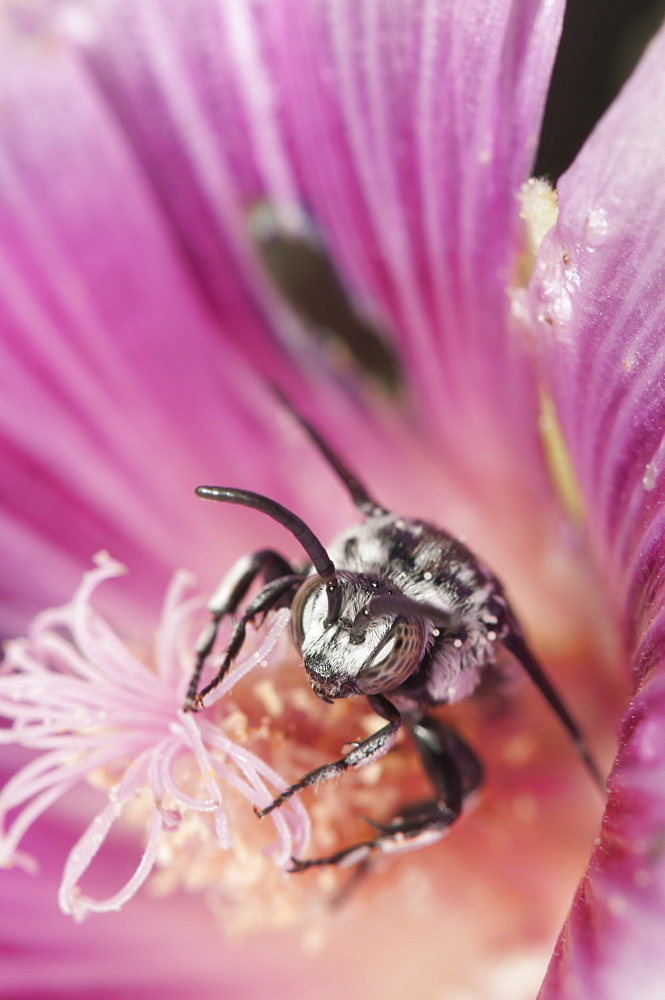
361	498
399	604
518	647
320	559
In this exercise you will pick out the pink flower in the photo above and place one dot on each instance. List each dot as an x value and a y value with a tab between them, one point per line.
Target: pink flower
145	148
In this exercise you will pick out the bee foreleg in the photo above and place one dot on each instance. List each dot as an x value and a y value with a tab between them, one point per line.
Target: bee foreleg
225	601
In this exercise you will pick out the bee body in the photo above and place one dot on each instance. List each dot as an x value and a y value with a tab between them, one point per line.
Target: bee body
396	610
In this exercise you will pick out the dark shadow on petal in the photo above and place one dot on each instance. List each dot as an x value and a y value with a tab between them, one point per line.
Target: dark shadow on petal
305	275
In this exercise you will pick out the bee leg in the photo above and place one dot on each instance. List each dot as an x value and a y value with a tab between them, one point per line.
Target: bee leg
361	498
225	601
271	596
363	753
514	642
454	771
449	762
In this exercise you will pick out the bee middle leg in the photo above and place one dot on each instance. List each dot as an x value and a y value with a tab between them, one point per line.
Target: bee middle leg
454	771
363	753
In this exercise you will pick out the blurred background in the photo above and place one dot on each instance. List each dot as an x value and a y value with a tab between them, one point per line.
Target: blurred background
602	41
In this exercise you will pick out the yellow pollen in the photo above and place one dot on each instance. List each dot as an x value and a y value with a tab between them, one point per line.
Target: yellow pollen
519	750
267	694
558	459
539	208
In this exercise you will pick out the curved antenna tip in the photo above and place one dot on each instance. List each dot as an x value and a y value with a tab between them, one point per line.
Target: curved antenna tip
320	559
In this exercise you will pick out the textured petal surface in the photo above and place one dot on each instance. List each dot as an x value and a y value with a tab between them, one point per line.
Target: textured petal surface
167	947
403	131
119	387
418	126
599	300
125	276
129	167
96	310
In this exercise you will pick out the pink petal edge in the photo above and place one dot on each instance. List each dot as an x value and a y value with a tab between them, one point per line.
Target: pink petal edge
599	305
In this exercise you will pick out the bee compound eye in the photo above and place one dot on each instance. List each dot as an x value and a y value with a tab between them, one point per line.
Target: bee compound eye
301	609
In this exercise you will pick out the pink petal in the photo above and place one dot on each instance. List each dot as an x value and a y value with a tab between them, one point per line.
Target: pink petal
419	127
95	302
404	130
598	295
118	392
167	947
455	318
102	289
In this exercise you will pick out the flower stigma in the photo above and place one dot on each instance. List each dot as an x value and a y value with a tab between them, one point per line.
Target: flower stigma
100	715
187	784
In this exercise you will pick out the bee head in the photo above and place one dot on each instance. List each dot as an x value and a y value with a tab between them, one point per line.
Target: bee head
375	643
357	633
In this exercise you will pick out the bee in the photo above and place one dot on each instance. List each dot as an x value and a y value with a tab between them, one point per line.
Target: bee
396	610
